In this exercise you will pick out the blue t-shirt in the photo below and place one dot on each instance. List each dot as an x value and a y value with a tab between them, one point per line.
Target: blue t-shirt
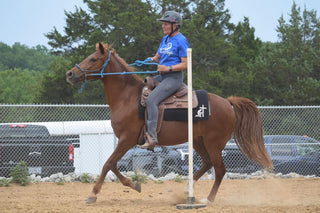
171	51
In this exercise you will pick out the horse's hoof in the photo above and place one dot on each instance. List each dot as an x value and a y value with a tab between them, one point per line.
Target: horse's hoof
206	201
138	187
91	200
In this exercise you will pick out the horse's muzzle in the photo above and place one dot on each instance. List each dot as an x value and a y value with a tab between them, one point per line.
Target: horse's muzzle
71	77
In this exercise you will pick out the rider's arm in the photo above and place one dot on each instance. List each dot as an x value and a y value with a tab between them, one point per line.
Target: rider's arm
178	67
156	58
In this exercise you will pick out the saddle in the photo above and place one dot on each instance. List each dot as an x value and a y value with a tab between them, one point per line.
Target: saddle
175	101
178	100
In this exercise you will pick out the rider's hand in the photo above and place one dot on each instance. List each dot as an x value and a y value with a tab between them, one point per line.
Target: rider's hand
149	59
163	68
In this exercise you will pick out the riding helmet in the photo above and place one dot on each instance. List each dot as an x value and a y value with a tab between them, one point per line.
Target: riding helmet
172	17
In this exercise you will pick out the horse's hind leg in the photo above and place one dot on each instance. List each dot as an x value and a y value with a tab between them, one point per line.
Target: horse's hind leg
220	170
206	162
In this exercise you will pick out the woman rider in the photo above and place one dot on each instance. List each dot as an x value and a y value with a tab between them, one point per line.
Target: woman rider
172	59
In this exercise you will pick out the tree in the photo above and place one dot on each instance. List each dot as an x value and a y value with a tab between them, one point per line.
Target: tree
221	51
288	72
18	86
130	26
54	88
244	39
22	57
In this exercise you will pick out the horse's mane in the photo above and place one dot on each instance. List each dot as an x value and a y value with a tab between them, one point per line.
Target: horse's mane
131	79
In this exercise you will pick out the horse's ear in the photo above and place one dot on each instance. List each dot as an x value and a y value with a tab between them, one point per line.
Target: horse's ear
100	47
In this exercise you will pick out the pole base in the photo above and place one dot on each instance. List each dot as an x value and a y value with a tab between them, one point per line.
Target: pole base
190	204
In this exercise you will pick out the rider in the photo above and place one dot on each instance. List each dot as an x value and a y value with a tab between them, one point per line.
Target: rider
172	59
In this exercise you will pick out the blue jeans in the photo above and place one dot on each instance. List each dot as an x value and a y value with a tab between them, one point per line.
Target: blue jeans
169	84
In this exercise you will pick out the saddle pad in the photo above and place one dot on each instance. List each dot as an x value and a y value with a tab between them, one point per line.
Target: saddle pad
201	112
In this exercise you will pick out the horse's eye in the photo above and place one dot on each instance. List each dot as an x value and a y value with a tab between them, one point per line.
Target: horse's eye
93	60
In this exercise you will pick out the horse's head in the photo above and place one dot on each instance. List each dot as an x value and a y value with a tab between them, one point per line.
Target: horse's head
93	64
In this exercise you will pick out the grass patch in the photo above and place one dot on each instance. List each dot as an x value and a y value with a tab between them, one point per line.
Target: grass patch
179	179
60	182
86	178
4	182
141	178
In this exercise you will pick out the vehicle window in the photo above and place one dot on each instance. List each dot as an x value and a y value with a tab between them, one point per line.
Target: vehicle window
306	147
281	146
20	131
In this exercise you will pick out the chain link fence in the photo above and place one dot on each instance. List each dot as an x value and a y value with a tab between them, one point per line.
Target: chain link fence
79	138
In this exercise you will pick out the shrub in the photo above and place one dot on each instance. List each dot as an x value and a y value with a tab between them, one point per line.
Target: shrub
86	178
4	182
179	179
141	178
20	174
60	182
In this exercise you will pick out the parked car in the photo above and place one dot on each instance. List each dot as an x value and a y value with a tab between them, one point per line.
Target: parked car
237	162
164	160
289	153
43	153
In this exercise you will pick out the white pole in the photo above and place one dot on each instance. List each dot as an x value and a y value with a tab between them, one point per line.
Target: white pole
190	122
191	199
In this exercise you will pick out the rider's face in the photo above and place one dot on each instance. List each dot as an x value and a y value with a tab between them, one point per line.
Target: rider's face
166	27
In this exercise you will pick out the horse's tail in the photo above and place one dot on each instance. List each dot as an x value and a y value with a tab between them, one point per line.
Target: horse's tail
248	131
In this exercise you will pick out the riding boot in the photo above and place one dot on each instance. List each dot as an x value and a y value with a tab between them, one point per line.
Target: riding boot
151	139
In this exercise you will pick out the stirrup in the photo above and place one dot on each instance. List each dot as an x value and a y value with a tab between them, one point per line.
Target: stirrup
149	143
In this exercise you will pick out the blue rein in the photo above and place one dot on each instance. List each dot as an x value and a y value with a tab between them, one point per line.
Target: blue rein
138	63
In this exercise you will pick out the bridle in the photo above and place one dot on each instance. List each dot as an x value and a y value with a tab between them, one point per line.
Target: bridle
102	73
91	72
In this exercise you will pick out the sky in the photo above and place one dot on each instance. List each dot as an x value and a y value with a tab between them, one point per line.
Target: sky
26	21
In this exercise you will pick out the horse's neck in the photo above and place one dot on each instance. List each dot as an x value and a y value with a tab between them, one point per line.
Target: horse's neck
121	90
119	93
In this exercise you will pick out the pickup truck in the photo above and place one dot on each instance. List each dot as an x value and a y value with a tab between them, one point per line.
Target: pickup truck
44	154
289	153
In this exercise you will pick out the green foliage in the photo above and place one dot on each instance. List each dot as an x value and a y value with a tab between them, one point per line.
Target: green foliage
86	178
4	182
291	121
53	87
20	174
228	59
243	37
22	57
19	86
293	125
158	181
287	73
60	182
21	72
179	179
141	178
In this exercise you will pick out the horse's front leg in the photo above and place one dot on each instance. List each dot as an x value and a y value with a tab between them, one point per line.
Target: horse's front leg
111	164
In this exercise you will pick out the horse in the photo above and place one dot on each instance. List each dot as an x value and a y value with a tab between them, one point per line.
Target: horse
235	116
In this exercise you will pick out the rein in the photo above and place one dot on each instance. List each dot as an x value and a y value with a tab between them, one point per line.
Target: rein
102	74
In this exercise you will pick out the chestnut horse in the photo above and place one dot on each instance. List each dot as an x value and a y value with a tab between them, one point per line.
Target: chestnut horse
235	115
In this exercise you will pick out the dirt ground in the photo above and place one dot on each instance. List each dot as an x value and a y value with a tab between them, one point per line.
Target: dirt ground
268	195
